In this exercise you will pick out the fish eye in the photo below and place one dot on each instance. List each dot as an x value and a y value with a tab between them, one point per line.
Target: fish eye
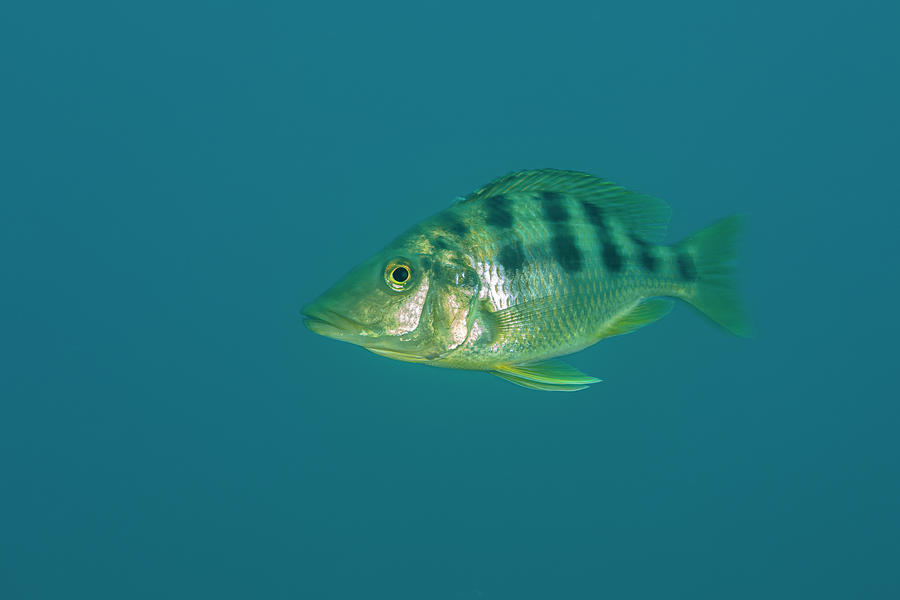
400	274
397	275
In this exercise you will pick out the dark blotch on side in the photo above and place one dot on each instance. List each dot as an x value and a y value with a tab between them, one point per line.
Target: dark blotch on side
554	210
686	267
562	244
594	216
441	243
612	259
550	196
455	225
648	261
645	254
566	252
498	214
511	258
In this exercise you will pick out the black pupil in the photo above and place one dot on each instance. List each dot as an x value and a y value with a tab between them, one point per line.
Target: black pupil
400	274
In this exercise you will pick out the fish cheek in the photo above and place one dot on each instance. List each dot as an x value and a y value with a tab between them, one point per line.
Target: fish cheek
405	313
454	294
452	325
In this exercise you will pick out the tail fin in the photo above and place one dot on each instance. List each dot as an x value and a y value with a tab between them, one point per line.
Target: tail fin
715	293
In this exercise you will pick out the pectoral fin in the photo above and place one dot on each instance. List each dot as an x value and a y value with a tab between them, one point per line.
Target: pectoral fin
548	375
523	314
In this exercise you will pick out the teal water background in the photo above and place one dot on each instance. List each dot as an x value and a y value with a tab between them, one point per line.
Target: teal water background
179	178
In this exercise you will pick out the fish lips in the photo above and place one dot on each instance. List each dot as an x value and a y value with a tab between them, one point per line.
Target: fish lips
333	325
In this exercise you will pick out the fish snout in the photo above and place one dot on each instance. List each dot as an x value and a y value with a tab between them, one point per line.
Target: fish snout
329	323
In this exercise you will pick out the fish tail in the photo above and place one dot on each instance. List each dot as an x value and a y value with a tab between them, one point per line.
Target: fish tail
709	255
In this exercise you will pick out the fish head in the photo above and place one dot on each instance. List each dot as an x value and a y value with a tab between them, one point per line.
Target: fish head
401	304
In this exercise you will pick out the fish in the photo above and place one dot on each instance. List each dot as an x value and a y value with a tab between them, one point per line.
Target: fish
535	265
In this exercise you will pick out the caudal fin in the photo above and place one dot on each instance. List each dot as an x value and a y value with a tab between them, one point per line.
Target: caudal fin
715	294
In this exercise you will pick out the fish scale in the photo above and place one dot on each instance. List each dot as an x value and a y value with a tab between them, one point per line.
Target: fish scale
532	266
593	292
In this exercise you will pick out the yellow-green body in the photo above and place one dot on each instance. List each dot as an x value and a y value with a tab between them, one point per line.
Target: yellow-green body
533	266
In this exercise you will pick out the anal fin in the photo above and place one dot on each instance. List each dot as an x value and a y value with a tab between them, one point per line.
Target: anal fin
643	314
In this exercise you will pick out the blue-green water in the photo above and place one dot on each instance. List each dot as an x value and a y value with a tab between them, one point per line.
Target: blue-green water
178	179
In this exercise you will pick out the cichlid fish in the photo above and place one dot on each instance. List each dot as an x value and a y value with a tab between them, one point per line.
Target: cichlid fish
532	266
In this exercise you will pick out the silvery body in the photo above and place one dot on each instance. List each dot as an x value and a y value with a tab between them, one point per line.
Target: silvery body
533	266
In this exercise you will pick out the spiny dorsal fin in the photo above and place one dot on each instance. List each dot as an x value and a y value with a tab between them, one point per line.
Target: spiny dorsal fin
643	215
644	313
553	375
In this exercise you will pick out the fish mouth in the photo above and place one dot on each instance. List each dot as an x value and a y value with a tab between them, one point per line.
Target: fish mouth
336	326
330	324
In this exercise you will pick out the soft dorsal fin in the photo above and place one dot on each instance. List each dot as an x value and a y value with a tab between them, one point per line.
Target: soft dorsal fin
548	375
644	313
643	215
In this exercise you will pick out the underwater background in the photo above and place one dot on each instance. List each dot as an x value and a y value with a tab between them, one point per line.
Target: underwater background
179	178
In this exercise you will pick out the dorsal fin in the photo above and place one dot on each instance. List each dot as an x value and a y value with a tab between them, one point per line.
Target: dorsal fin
643	215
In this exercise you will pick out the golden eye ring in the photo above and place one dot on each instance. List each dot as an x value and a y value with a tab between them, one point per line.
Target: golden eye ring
397	275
